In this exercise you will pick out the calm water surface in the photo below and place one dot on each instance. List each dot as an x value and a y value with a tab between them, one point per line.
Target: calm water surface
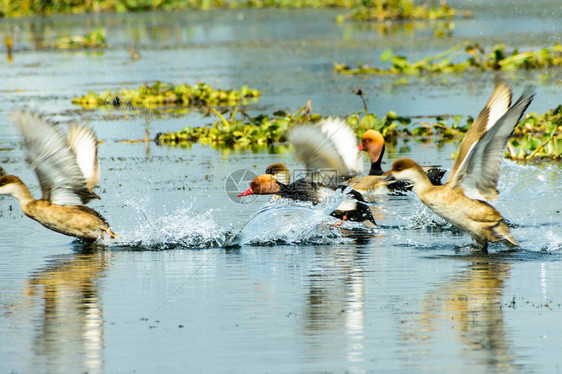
169	297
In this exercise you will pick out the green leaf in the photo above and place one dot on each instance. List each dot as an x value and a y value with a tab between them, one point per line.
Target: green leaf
399	62
367	122
386	55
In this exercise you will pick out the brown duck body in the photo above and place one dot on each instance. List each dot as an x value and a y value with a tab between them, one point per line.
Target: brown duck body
372	142
67	167
73	220
475	173
476	217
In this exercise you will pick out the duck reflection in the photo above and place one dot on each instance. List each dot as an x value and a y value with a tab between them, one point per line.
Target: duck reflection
335	306
471	305
69	331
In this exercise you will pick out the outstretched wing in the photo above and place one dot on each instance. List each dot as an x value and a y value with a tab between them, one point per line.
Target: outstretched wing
84	144
55	164
328	150
478	173
497	106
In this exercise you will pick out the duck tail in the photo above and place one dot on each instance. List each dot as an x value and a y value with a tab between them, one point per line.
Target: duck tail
502	234
510	242
110	233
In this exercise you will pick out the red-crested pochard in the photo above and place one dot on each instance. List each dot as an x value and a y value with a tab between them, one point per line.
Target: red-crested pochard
329	151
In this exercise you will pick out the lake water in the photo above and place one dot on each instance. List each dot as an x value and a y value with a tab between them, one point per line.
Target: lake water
168	296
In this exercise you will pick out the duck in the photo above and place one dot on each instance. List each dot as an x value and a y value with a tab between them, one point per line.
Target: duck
331	157
68	170
373	143
462	200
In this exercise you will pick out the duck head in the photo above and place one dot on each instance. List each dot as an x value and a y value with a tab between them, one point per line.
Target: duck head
372	142
9	185
280	172
265	184
405	169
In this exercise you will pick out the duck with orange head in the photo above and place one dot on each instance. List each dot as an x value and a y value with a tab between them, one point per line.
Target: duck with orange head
372	142
331	157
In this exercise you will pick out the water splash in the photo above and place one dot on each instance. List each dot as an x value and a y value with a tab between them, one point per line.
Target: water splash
527	183
553	241
529	198
543	239
424	218
286	221
279	221
286	224
185	227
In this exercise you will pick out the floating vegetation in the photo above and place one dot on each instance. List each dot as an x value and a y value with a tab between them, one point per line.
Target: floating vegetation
394	126
164	94
237	128
9	43
241	129
30	7
94	39
363	10
476	58
290	4
384	10
538	136
443	28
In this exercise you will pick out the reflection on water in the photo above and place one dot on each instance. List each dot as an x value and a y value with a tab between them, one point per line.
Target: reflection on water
233	308
470	306
334	316
69	330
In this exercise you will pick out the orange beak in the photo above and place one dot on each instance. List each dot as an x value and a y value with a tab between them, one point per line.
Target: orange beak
246	193
360	146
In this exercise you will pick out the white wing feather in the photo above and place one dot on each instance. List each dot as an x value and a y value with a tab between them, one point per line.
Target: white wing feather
55	164
84	143
496	106
478	173
329	146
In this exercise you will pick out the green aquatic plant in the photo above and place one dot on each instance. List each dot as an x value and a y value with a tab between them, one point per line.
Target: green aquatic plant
362	9
443	28
16	8
475	58
291	4
538	136
237	128
394	126
383	10
165	94
93	39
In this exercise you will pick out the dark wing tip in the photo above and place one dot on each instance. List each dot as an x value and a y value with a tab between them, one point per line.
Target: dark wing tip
86	195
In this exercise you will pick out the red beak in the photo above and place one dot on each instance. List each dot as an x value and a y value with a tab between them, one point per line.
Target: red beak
360	146
246	193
